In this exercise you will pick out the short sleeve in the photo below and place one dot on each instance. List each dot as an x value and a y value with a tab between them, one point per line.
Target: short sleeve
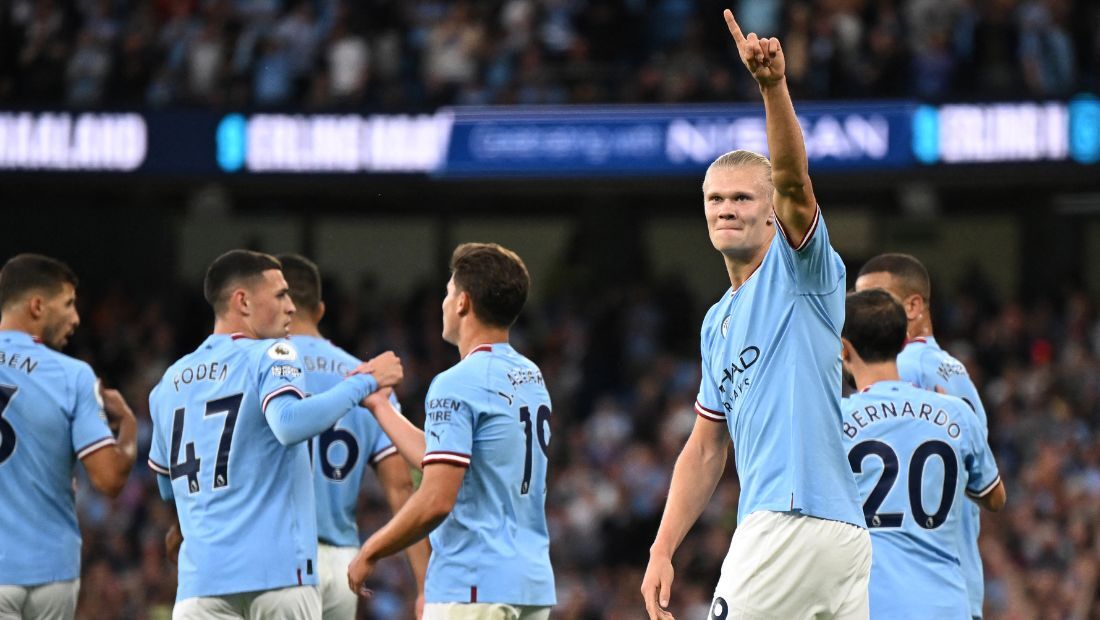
708	404
281	373
158	451
981	468
814	264
89	429
448	425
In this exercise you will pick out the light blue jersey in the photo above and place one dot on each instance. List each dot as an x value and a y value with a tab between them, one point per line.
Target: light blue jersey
50	416
771	373
924	364
916	453
491	413
244	500
340	453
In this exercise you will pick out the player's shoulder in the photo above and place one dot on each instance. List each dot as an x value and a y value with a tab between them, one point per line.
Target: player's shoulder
270	350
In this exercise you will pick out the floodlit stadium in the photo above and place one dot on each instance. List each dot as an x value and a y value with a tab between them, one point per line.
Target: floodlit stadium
142	141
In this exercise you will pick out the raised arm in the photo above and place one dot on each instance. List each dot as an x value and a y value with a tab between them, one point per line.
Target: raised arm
698	470
793	200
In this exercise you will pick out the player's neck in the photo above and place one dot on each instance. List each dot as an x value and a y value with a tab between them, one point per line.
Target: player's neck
303	327
15	322
740	269
478	334
225	325
920	328
867	375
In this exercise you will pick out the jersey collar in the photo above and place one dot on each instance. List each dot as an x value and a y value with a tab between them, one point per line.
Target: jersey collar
488	348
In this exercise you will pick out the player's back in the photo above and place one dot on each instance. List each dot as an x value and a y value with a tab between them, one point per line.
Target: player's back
491	411
924	364
341	453
244	500
916	455
49	417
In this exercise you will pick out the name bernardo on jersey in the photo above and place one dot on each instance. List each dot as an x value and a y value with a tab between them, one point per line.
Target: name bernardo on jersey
887	410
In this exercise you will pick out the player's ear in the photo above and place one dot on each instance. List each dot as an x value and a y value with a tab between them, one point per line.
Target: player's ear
463	304
36	306
846	350
239	301
320	311
914	306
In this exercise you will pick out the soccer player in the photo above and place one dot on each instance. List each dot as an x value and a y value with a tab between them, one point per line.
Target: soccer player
484	456
229	444
341	453
915	453
52	413
771	380
923	363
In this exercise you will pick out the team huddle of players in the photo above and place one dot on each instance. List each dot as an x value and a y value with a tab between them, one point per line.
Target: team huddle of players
849	508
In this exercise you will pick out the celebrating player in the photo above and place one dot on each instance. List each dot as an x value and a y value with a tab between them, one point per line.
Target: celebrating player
936	446
771	380
924	364
229	442
52	413
487	423
341	452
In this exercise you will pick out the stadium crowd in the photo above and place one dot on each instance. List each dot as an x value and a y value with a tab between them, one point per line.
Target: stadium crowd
622	367
403	55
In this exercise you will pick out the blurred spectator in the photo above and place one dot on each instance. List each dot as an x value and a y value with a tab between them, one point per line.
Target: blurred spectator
402	55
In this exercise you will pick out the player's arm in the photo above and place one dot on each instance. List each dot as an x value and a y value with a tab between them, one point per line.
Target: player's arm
694	478
293	420
406	437
396	482
422	513
793	200
993	499
109	466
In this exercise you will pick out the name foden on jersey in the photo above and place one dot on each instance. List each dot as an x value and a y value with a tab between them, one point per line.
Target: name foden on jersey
887	410
734	381
18	362
210	371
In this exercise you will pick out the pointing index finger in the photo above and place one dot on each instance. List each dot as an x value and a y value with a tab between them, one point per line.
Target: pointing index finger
735	30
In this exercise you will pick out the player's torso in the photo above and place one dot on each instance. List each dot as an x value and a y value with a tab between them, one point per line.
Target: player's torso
496	537
244	500
339	456
774	356
39	535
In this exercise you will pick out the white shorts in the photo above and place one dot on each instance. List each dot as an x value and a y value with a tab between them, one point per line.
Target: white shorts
49	601
293	603
338	602
784	565
484	611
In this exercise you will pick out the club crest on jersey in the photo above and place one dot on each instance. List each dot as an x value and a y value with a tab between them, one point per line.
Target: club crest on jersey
282	351
726	325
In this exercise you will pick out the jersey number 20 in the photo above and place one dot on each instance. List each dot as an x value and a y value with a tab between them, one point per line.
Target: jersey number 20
916	477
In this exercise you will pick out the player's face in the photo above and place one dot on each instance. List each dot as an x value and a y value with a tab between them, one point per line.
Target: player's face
450	313
738	205
880	279
60	317
271	307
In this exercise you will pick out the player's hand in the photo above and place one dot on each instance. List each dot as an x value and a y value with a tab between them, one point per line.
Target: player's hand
386	368
358	571
114	405
172	542
657	587
762	57
377	398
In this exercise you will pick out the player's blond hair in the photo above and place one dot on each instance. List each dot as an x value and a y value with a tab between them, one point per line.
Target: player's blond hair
739	159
